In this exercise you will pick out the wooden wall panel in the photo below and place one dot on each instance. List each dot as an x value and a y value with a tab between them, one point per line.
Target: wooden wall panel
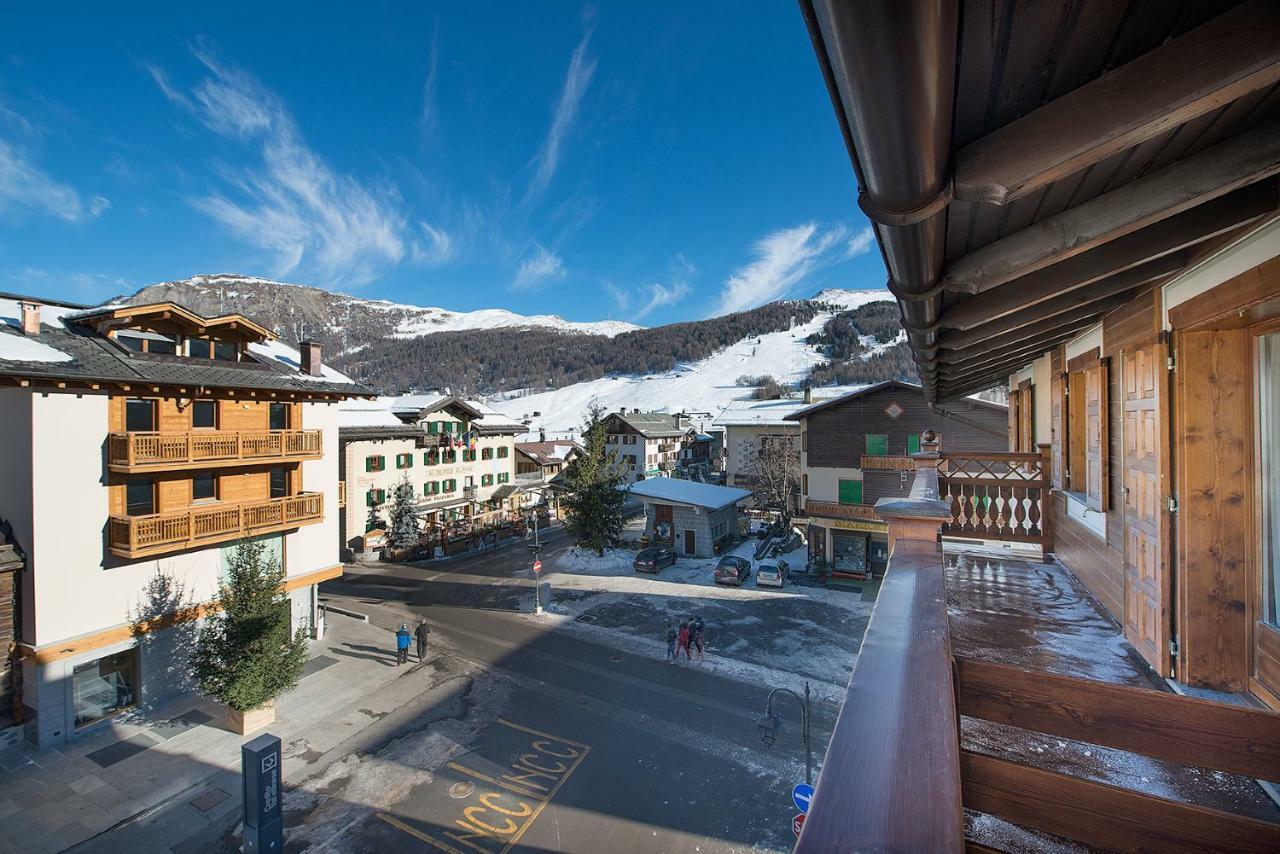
245	486
242	415
1215	537
1133	323
1099	567
1266	661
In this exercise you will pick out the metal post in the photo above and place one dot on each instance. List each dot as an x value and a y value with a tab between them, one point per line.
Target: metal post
537	585
808	746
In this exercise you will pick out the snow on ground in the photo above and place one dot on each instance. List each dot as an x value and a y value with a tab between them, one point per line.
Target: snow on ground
426	320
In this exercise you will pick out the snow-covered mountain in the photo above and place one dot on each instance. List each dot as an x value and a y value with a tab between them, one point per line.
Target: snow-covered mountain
341	322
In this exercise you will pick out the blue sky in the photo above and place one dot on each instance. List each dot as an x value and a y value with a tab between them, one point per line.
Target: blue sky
661	163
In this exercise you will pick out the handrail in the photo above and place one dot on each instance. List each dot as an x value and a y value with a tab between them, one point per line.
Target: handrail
891	777
159	449
216	522
836	510
998	496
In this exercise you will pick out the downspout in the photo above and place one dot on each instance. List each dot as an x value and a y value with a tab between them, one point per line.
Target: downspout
889	66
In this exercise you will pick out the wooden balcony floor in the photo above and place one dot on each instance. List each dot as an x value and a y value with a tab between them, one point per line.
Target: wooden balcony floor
1040	617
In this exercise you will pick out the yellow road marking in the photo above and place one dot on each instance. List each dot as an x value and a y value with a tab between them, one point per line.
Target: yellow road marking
417	834
541	806
485	777
506	722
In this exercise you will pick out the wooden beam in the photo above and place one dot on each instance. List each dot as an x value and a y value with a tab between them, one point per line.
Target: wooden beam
1123	282
1032	331
1163	238
1001	367
1213	172
1235	739
1234	54
949	366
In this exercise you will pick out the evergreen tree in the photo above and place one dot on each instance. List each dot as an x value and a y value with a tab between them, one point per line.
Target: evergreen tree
244	655
405	524
374	520
594	502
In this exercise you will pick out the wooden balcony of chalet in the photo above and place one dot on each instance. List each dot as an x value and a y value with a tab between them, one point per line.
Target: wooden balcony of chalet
887	464
138	452
161	533
994	705
836	510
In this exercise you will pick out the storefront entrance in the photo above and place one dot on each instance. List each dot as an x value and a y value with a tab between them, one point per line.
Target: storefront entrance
849	552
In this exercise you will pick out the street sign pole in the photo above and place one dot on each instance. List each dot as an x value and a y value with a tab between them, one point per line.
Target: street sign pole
536	547
263	820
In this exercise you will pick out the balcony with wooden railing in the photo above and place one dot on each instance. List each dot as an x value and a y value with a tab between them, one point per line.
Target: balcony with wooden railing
836	510
201	449
902	766
887	464
159	533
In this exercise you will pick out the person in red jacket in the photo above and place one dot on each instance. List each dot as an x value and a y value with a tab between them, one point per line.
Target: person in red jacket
683	640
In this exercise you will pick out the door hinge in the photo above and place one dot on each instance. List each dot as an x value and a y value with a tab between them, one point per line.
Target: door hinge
1173	647
1172	361
1173	504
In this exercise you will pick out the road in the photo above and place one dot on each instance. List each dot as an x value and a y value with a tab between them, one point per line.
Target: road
555	742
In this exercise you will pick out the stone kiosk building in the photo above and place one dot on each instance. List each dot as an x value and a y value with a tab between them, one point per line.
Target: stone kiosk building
689	516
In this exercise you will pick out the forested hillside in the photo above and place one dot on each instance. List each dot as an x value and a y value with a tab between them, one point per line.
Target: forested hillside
863	345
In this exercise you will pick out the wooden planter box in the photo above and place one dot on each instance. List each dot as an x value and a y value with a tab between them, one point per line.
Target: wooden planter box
243	723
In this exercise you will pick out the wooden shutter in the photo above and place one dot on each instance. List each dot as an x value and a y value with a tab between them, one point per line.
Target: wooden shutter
877	444
913	443
850	492
1013	421
1095	435
1026	425
1058	428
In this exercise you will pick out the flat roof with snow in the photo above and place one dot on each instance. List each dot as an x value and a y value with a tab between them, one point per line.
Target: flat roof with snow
690	492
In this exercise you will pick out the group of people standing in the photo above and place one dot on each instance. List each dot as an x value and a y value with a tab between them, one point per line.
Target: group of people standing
686	638
404	639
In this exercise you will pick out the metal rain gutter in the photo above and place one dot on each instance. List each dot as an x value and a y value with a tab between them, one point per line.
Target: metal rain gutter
890	69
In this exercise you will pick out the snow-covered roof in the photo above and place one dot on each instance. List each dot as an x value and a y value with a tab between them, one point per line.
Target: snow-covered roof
410	403
748	413
358	412
493	420
284	354
689	492
549	452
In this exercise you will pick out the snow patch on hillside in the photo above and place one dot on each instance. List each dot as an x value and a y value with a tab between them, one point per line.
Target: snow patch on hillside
848	300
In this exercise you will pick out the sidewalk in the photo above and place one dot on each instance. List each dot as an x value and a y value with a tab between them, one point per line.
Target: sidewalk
180	757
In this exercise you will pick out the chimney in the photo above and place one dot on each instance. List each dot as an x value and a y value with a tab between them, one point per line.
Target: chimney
30	318
310	357
542	435
808	394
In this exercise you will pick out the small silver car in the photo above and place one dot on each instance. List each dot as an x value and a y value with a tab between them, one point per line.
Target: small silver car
773	574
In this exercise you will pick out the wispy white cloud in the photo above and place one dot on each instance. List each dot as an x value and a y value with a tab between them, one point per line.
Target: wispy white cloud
25	186
621	297
436	246
660	295
428	119
860	243
576	81
98	205
783	259
293	205
542	266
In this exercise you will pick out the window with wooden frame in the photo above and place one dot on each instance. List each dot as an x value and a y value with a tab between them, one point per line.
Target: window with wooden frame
279	482
1086	430
486	480
375	462
450	456
877	444
204	486
449	485
404	461
204	415
140	496
431	487
503	451
139	415
375	497
431	458
1024	437
213	348
1059	436
278	416
143	341
850	492
486	453
504	477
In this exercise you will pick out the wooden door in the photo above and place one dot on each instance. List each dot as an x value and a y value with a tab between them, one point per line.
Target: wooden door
690	544
1144	468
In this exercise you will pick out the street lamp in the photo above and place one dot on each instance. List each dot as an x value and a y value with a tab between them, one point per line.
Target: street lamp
770	725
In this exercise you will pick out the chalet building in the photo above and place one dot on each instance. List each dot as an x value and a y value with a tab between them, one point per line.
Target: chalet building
540	463
694	519
857	449
647	443
145	441
1079	200
697	455
748	425
458	454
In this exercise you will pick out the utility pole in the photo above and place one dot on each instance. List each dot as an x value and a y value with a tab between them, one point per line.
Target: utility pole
535	547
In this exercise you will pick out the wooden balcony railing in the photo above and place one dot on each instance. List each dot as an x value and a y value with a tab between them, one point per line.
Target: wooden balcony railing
888	464
836	510
895	776
141	536
998	496
133	452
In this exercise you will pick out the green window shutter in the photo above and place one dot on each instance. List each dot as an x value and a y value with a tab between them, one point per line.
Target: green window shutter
913	443
368	463
433	427
877	445
850	492
368	498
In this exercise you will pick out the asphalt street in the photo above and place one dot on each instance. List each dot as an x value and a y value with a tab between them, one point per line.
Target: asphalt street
556	743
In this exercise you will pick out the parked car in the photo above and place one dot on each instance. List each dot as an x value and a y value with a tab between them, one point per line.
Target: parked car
772	574
653	559
732	570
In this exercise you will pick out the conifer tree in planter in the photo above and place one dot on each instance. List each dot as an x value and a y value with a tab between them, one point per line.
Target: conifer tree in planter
594	501
405	525
245	655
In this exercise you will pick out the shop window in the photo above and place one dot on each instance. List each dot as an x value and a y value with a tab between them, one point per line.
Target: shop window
139	415
850	492
375	463
204	414
105	686
279	482
140	496
204	486
877	445
278	416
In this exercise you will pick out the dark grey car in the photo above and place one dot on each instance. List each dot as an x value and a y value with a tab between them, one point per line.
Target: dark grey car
653	559
732	570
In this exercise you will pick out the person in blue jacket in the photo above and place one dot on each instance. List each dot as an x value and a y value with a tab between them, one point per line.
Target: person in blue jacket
402	644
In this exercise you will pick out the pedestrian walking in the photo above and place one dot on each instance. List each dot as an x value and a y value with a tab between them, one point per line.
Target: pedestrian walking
696	627
683	640
421	633
402	645
672	634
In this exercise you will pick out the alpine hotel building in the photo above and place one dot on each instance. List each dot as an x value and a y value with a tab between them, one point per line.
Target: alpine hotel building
140	444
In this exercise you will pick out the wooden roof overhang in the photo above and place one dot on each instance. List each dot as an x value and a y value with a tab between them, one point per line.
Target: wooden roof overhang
1029	167
144	388
114	317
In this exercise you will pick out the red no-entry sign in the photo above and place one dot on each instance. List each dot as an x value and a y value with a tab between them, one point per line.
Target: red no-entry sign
537	566
797	823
